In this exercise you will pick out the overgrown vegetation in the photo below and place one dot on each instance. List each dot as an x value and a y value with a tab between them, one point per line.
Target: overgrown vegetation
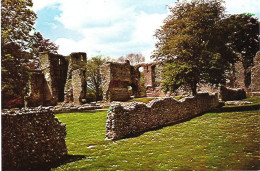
213	141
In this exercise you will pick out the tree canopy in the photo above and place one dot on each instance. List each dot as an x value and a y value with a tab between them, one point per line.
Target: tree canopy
19	48
94	87
192	47
242	33
132	58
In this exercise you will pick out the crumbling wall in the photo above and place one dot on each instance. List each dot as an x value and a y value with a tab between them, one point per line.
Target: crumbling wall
35	96
117	78
255	75
54	68
31	139
79	86
59	79
229	94
139	117
239	76
75	87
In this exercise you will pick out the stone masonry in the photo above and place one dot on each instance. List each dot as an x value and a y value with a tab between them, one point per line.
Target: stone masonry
117	78
54	68
75	88
63	79
139	117
229	94
255	76
59	79
31	139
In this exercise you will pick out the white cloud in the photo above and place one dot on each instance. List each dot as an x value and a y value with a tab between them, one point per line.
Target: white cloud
91	13
115	27
40	4
242	6
107	27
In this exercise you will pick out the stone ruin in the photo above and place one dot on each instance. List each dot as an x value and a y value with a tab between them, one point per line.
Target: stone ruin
63	79
255	76
121	81
139	117
32	139
59	79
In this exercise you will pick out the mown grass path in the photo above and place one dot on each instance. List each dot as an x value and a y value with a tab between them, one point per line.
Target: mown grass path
213	141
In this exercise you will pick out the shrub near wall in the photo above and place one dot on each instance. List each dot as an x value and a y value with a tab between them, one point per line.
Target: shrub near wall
31	139
139	117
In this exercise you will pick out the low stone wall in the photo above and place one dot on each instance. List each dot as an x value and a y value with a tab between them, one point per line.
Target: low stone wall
229	94
31	139
139	117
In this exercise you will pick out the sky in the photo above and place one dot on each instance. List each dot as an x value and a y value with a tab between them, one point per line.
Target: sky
111	27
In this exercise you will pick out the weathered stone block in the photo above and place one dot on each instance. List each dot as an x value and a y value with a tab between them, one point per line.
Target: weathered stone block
229	94
255	75
139	117
31	138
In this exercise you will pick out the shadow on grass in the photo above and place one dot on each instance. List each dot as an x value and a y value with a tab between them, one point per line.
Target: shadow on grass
67	159
48	166
237	108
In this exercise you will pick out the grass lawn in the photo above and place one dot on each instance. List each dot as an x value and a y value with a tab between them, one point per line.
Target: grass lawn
145	99
148	99
213	141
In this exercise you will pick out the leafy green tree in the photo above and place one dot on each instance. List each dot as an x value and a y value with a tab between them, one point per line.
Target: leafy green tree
94	87
191	46
17	20
242	33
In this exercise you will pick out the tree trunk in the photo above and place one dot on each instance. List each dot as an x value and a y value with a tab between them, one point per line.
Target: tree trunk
194	89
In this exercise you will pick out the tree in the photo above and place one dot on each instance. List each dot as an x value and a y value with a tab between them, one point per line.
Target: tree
41	44
132	58
191	46
17	20
242	33
94	77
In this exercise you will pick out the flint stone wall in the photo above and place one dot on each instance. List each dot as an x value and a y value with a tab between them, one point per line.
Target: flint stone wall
139	117
255	76
229	94
31	139
116	79
75	87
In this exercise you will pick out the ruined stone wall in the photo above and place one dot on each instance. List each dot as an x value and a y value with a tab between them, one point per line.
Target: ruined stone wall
78	86
229	94
54	68
75	87
255	75
139	117
35	96
239	76
31	138
153	80
116	80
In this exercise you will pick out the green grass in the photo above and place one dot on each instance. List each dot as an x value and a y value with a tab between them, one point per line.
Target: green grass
255	100
148	99
145	99
213	141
